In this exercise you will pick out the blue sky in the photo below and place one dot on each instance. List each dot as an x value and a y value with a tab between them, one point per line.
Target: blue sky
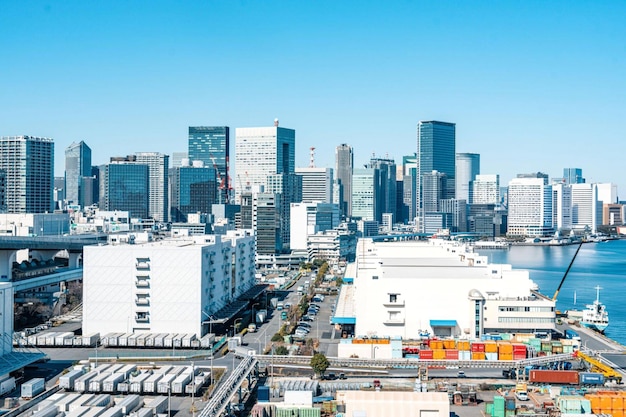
531	85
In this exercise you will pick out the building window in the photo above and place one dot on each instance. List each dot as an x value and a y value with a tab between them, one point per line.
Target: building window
375	277
393	298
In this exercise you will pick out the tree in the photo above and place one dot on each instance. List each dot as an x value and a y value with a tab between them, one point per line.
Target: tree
281	350
319	363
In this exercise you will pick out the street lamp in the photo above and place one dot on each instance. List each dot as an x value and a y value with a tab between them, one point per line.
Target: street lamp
375	347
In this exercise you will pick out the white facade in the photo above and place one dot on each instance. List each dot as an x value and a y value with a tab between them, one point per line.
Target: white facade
562	206
607	192
41	224
394	403
163	286
530	207
317	184
485	189
405	288
586	207
309	218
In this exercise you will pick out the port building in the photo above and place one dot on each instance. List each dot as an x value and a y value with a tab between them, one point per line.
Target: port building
138	284
436	288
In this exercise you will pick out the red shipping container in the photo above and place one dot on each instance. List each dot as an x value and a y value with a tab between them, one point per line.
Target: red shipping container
519	356
426	354
478	347
518	348
553	377
452	354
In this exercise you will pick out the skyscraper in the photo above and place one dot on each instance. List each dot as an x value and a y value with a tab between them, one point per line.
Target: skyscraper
530	206
409	195
193	190
485	189
211	144
317	184
436	151
124	186
365	194
77	167
158	199
573	176
467	167
28	162
344	166
386	186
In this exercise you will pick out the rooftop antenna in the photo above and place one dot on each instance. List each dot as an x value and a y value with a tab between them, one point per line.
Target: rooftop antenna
275	122
312	157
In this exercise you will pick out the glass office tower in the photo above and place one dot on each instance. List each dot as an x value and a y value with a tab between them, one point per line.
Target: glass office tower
211	144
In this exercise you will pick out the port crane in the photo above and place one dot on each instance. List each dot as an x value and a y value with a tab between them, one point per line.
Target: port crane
596	365
556	293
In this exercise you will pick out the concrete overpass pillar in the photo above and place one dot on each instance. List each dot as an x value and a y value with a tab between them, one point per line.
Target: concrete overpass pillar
75	259
7	257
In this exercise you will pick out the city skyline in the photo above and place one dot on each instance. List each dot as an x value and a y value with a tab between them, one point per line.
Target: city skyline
531	87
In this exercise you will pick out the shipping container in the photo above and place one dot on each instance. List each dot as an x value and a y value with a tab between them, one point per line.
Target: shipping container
63	404
141	339
477	347
80	402
136	382
50	338
207	341
198	382
263	394
95	385
95	411
553	377
168	341
150	340
67	381
78	411
165	369
123	387
90	340
186	340
158	404
50	411
591	378
112	412
113	339
33	387
143	412
123	339
163	386
130	403
426	354
126	370
159	340
181	381
7	385
102	400
150	384
110	383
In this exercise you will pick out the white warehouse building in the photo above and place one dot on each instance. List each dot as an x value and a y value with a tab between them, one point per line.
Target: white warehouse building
164	286
410	289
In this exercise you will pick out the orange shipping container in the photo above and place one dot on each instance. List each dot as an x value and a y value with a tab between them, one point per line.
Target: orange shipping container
617	413
505	356
463	345
478	356
618	403
449	344
606	403
436	344
491	347
439	354
595	402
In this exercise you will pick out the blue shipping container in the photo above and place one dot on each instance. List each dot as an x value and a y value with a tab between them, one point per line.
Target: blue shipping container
591	378
263	394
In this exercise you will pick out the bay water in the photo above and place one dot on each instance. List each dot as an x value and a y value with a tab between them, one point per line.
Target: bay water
600	264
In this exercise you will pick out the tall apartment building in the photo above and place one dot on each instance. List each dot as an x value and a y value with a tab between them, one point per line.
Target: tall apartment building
317	184
436	151
192	190
530	207
266	223
467	168
562	206
124	186
386	186
77	170
211	145
158	188
344	166
28	163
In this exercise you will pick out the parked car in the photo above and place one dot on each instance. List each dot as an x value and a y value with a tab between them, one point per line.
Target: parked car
306	317
461	374
304	329
304	324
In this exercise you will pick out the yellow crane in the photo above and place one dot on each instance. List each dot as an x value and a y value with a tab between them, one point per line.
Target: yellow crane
609	373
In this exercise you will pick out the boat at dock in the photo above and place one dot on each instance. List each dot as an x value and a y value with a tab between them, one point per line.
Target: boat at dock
594	316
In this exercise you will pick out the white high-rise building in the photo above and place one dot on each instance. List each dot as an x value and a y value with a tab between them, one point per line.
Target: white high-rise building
310	218
165	286
562	206
261	152
607	192
158	196
485	189
530	207
317	184
586	207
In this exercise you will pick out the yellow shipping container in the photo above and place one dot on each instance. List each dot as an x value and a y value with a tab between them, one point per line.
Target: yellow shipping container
478	356
439	354
436	344
449	344
505	347
463	345
491	346
505	356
